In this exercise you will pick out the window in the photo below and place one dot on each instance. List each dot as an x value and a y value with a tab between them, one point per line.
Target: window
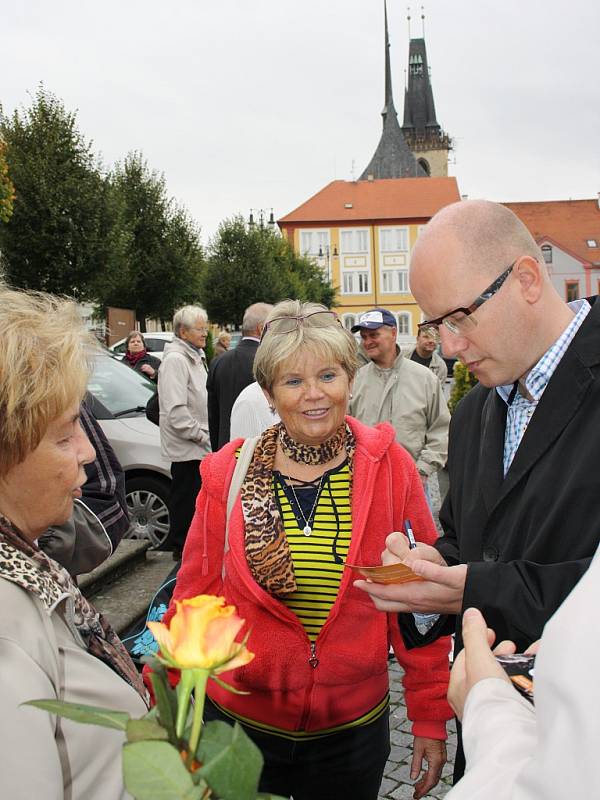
313	241
572	290
592	243
348	321
395	280
404	323
355	282
547	253
354	241
393	240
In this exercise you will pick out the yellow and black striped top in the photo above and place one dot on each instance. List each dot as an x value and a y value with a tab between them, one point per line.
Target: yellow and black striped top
319	558
318	566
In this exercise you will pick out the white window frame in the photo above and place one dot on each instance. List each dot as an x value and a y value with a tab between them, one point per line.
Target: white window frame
404	319
400	236
356	246
356	281
319	238
348	320
394	280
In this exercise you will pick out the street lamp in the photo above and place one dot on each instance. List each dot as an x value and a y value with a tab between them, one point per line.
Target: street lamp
326	254
262	213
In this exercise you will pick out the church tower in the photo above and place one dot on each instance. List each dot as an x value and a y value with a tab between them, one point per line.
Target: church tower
393	157
422	133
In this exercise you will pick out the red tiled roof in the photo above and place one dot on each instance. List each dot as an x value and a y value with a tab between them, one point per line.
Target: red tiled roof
569	223
399	198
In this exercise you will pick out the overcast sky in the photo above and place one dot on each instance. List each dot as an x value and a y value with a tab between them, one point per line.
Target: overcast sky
260	103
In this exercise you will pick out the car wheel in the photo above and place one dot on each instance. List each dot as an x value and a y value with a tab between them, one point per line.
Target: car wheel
148	511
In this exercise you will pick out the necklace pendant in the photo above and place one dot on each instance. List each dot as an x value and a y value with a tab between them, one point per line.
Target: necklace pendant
307	530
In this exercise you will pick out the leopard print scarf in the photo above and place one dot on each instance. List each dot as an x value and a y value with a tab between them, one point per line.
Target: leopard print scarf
266	545
23	563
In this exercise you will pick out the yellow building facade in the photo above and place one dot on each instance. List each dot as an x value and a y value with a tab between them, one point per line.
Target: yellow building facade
361	234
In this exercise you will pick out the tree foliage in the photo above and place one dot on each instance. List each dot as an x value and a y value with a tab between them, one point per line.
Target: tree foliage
464	381
160	255
55	239
250	265
7	189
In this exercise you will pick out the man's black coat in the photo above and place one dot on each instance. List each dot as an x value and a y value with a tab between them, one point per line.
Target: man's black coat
227	376
527	537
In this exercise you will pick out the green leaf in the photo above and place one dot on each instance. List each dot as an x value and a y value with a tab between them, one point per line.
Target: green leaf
139	730
90	715
232	762
155	771
166	701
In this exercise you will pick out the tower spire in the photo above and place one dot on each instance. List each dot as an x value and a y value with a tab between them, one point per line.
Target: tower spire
389	95
392	159
421	129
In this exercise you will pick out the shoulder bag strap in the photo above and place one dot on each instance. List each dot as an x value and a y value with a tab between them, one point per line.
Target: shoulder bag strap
239	473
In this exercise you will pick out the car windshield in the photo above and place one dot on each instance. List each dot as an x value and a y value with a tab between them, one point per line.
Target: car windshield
118	387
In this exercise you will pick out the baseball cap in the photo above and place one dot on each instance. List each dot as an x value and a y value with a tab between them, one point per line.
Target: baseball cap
375	319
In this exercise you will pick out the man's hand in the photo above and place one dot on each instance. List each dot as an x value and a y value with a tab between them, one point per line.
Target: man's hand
397	549
434	752
441	591
476	662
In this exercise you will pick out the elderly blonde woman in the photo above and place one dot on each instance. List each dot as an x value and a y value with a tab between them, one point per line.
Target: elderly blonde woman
184	433
320	490
53	644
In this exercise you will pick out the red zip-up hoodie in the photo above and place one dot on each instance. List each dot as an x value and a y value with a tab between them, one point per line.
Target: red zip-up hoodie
294	685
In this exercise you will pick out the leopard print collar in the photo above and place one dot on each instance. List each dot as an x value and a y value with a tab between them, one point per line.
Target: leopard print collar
266	546
24	564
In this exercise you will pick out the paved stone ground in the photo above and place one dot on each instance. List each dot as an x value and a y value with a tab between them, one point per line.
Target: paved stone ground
397	784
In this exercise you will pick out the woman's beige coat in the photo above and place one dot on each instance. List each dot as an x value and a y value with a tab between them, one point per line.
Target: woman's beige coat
42	756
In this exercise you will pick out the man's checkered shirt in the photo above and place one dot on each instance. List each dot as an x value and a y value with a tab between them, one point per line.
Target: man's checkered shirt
520	410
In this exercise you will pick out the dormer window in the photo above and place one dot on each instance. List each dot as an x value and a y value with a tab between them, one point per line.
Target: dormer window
547	253
592	243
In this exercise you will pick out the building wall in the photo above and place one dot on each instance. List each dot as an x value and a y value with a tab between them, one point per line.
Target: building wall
437	160
569	276
368	264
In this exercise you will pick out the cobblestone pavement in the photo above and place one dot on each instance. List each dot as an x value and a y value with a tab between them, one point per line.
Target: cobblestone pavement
397	784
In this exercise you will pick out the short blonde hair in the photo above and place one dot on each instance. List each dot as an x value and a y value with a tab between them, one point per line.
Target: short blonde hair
333	342
45	362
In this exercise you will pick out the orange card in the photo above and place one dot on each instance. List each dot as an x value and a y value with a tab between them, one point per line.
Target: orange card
392	573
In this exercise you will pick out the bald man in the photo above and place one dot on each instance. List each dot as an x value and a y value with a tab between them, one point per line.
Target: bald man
522	516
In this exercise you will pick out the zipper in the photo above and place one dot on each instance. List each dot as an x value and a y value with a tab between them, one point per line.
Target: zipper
314	663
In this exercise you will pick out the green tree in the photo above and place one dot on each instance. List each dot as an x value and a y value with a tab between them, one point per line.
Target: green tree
249	265
464	381
161	256
56	237
7	189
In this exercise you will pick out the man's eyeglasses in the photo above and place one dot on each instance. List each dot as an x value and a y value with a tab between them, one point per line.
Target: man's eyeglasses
460	320
318	319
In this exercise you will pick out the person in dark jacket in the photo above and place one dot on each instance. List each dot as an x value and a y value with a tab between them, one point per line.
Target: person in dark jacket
100	517
138	358
521	516
232	372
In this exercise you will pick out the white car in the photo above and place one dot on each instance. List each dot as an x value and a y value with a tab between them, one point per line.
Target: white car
118	397
155	344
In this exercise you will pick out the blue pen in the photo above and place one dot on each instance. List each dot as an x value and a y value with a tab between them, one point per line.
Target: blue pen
412	542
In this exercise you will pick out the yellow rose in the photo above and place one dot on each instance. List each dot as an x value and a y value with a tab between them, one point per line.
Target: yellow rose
201	635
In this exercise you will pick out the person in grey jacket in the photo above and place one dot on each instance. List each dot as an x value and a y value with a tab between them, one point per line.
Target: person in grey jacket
393	389
184	435
425	353
53	643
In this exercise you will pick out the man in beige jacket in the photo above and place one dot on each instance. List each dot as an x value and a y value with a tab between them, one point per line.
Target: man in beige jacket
394	389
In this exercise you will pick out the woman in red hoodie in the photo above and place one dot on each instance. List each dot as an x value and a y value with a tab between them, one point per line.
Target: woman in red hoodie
321	490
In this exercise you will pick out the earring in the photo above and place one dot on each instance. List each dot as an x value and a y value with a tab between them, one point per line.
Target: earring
351	395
